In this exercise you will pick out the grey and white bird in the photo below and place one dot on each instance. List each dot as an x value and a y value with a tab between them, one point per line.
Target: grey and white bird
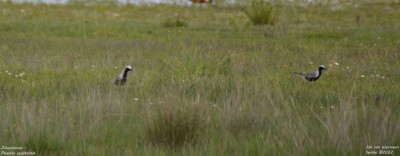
312	76
121	79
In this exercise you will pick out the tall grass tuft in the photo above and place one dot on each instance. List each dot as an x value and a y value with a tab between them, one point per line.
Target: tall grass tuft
176	21
262	12
175	122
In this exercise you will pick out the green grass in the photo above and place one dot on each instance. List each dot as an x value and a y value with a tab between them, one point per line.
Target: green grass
262	12
218	86
176	21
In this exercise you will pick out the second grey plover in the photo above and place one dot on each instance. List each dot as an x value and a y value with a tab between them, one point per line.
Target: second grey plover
122	78
312	76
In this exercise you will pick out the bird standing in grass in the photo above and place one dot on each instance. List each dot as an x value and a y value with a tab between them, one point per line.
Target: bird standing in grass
122	78
312	76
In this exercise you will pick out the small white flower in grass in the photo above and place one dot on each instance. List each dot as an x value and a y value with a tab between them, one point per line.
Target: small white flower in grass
115	67
240	109
93	66
332	107
377	75
330	65
383	77
214	105
151	103
21	74
311	62
378	38
362	76
347	67
6	71
336	63
321	107
9	74
136	99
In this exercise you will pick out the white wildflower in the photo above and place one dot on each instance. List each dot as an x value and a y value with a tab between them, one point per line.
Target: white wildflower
330	65
332	107
383	77
347	67
135	99
214	105
311	62
378	38
336	63
93	66
362	76
377	75
21	74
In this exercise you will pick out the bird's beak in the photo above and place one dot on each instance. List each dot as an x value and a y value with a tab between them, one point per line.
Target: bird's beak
325	68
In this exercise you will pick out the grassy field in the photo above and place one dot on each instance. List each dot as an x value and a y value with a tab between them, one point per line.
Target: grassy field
213	85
